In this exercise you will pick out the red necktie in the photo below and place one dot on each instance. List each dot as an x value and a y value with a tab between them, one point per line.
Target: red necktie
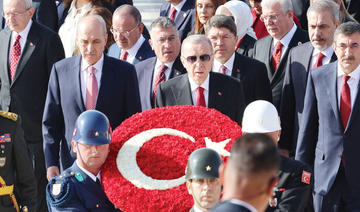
123	55
200	98
172	13
345	101
91	89
319	59
14	57
275	58
159	79
223	69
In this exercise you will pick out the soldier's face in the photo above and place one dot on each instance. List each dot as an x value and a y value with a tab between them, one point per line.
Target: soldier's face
205	192
92	156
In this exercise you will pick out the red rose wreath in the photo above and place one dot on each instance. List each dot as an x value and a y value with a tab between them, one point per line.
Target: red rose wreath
149	151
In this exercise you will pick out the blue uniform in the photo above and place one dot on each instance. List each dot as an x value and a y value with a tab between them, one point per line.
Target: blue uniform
74	190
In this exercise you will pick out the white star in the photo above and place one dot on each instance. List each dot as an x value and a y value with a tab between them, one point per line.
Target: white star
219	147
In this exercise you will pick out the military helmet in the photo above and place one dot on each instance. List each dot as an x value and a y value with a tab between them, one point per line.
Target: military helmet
203	164
92	127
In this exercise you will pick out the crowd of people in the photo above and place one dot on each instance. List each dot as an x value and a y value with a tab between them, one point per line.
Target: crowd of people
287	71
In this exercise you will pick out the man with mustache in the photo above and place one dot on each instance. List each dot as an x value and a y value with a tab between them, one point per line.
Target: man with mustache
323	18
329	132
89	81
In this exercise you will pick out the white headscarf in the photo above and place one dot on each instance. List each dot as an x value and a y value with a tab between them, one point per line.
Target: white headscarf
242	15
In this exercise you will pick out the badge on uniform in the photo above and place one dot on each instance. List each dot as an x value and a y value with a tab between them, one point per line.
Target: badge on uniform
56	188
305	178
79	177
5	138
2	161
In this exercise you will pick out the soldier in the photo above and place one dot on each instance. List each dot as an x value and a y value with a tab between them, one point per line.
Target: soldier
16	172
202	179
79	187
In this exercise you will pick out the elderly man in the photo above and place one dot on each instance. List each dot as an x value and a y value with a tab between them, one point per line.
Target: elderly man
273	49
221	30
293	192
200	86
165	41
329	131
89	81
250	174
202	179
79	187
27	52
323	18
130	46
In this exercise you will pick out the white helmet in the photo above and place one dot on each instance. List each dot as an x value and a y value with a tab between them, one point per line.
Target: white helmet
260	117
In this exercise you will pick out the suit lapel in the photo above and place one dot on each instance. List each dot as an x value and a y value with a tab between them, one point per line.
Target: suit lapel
76	74
105	84
182	93
4	57
355	108
215	93
330	83
175	68
236	71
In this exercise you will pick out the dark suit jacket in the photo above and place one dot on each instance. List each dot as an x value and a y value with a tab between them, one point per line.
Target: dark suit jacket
26	94
262	50
143	53
293	93
353	6
322	138
253	76
185	20
227	206
246	45
45	13
300	8
225	94
145	74
118	99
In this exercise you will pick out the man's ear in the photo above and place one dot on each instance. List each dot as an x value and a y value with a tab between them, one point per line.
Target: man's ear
188	186
222	173
151	44
273	183
73	144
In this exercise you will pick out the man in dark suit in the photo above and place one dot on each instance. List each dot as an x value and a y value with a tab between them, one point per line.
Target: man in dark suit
200	86
293	192
353	7
300	8
250	174
323	18
130	46
274	48
221	30
27	52
165	42
329	132
89	81
182	13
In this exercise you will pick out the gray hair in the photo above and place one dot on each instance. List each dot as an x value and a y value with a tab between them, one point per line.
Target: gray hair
325	5
162	22
221	21
28	3
97	17
347	28
129	9
286	5
196	39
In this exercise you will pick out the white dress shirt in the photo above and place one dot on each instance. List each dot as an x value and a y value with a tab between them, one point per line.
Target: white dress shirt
85	74
194	87
328	53
352	82
91	175
285	41
23	34
196	209
244	204
229	65
134	49
177	7
157	69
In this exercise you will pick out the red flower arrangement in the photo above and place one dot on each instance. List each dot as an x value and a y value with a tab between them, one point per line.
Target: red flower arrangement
148	154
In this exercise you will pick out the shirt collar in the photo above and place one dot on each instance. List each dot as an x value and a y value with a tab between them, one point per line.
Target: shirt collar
244	204
327	52
287	38
194	86
159	63
91	175
134	49
196	209
179	6
98	65
23	34
228	64
354	75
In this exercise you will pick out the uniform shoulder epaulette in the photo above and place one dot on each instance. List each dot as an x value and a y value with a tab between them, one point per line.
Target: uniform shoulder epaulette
8	115
61	189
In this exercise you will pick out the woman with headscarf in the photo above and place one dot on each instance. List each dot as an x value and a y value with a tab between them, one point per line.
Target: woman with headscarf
241	13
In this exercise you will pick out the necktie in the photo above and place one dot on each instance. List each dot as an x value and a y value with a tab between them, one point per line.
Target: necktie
345	101
98	182
159	79
91	89
200	98
172	13
275	59
319	59
123	55
223	69
14	57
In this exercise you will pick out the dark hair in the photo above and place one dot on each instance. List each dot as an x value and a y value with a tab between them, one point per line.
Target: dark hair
162	22
221	21
199	26
131	10
254	153
347	28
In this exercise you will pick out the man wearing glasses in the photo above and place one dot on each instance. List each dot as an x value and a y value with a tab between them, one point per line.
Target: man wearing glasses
130	46
200	86
274	48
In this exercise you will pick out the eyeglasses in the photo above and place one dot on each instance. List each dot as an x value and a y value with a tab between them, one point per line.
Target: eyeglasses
125	33
14	14
343	46
193	59
272	18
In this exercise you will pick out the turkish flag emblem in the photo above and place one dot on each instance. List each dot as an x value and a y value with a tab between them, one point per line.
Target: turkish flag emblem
148	155
306	177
